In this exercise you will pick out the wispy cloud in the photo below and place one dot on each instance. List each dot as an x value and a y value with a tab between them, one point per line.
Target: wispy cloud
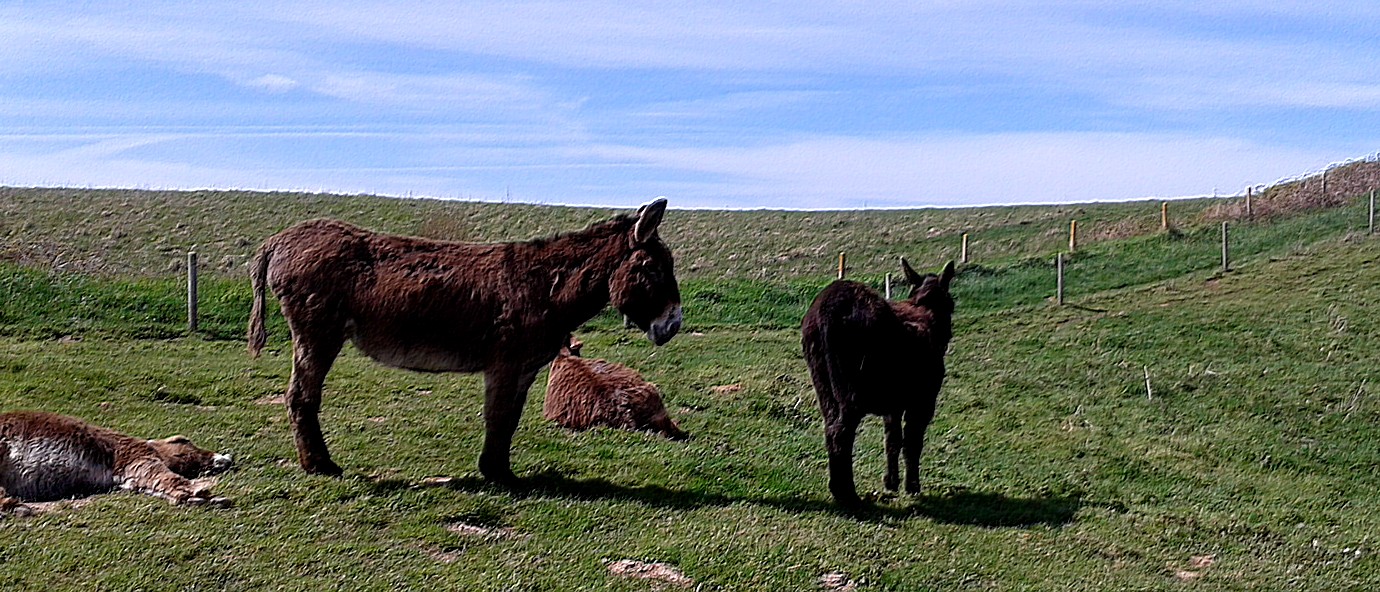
273	83
728	103
450	92
998	168
819	172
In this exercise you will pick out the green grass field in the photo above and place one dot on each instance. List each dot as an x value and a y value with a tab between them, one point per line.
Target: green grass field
1249	462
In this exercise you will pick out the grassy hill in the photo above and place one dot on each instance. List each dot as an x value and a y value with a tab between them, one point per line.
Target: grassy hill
129	233
1177	428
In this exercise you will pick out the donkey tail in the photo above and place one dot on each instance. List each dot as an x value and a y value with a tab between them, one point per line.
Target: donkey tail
832	380
258	280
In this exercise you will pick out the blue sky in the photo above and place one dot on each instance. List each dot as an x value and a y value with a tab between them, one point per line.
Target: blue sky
800	104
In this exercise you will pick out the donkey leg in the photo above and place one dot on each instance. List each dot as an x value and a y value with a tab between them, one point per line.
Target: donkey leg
839	435
310	363
893	451
9	505
152	477
504	395
13	505
917	422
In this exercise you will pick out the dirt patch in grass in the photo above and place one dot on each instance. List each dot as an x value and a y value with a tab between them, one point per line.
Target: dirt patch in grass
656	572
1194	571
482	532
726	389
837	581
441	556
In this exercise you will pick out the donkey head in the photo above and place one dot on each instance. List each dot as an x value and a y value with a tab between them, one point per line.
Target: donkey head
931	291
572	346
186	459
644	286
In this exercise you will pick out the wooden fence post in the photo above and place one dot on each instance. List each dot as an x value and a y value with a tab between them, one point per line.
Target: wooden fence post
1164	216
1059	279
1226	260
888	286
963	255
1371	225
1073	235
841	257
191	292
1250	212
1324	183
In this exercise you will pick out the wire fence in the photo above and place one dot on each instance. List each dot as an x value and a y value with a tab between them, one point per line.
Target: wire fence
1257	219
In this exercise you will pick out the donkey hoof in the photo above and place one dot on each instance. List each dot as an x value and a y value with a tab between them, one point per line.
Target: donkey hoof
324	468
849	503
847	499
16	509
504	477
892	483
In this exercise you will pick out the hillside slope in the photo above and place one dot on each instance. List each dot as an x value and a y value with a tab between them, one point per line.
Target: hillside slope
147	233
1230	416
1247	463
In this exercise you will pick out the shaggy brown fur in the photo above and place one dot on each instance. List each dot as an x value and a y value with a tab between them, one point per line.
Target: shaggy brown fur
583	393
503	309
869	356
45	456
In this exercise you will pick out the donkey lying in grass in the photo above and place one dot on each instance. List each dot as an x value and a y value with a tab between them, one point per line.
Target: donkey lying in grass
45	457
582	393
503	309
868	356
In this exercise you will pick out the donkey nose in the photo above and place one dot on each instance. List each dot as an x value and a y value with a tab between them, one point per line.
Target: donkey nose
666	327
220	462
661	336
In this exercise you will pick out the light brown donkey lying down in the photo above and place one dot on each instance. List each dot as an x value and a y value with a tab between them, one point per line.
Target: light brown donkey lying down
583	393
45	457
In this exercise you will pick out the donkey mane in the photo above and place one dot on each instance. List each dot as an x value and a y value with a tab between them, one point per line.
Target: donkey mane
617	225
575	247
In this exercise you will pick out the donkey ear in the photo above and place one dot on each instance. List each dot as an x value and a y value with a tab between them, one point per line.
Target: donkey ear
947	275
913	278
648	217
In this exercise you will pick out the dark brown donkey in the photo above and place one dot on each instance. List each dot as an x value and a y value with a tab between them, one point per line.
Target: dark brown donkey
504	309
869	356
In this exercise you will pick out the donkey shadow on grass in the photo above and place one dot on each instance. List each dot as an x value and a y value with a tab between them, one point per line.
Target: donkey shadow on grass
961	506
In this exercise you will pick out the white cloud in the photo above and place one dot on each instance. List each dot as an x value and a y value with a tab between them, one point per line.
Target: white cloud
814	172
481	93
275	83
1090	48
1185	95
448	92
969	169
733	103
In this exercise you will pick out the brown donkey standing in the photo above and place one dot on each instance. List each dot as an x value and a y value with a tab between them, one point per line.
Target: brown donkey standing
504	309
870	356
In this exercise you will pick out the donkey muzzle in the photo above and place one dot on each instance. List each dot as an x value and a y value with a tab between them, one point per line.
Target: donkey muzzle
221	462
664	327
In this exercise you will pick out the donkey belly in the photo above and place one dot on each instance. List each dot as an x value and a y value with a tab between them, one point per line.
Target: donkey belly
42	469
422	358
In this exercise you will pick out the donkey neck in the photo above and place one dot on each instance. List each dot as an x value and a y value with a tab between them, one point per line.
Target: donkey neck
575	270
925	324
